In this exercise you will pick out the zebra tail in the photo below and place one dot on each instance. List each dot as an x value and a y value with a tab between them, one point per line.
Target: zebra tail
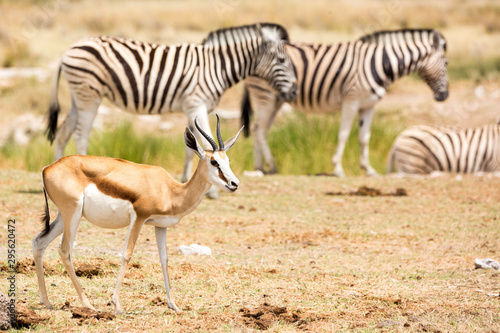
390	162
246	112
45	216
54	108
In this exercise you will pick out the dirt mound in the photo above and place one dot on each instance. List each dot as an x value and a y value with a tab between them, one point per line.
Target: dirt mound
365	191
263	316
26	317
27	266
88	270
86	314
158	301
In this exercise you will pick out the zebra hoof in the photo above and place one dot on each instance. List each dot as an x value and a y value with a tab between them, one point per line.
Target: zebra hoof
339	173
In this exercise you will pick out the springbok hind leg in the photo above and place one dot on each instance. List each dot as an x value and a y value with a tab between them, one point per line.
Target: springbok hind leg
40	243
72	221
133	233
161	242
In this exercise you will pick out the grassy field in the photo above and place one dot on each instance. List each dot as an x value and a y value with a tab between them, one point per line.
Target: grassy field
336	262
332	261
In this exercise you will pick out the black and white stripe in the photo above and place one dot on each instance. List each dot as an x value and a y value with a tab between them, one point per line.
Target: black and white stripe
353	76
424	149
152	78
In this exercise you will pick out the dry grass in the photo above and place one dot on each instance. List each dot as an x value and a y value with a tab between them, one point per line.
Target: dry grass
339	263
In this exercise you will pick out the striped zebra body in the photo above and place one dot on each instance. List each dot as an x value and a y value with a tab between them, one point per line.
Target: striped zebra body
352	76
152	78
424	149
138	77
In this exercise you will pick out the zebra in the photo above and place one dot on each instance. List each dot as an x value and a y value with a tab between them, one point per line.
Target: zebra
148	78
424	149
352	75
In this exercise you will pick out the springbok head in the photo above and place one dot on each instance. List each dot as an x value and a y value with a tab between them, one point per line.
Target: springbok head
219	172
434	69
273	62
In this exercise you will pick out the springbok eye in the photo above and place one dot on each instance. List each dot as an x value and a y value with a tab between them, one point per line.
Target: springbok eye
214	163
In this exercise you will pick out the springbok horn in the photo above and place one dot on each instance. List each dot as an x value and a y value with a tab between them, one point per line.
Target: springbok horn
219	137
205	135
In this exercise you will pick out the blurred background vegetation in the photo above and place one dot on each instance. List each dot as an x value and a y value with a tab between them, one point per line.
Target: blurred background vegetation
34	33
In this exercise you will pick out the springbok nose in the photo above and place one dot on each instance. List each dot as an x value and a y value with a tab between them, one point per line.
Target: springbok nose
233	184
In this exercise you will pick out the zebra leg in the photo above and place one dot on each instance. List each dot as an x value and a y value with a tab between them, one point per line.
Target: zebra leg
86	116
365	122
64	132
200	113
266	108
349	111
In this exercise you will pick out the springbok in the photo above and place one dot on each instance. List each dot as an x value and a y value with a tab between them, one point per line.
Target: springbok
114	193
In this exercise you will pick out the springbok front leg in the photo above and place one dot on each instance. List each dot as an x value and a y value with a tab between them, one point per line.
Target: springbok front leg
349	112
161	242
133	233
72	216
40	243
365	122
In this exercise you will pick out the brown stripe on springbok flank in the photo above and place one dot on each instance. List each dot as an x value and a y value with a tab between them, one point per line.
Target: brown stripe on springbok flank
115	189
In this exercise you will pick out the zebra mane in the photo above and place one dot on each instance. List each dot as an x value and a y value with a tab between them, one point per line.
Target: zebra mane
218	37
378	36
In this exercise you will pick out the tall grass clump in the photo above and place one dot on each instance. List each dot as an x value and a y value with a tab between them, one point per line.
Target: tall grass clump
301	144
305	144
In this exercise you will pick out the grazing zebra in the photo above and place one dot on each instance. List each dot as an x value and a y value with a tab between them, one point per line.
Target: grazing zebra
152	78
424	149
352	75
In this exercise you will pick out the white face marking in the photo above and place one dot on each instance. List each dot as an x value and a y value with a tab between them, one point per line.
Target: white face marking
230	183
105	211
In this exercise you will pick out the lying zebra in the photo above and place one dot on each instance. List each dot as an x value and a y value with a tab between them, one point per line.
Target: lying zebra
424	149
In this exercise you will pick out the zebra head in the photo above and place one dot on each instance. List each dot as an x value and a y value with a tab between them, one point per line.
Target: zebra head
273	62
434	69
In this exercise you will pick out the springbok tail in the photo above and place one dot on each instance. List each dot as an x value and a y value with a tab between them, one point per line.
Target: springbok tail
54	108
46	215
246	112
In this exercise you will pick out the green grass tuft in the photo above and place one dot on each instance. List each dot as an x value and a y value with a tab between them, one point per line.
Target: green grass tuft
301	144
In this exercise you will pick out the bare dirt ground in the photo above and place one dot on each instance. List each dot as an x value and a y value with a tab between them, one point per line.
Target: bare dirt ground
287	256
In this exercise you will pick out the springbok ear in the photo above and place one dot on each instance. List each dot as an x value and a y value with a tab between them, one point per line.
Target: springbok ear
191	142
230	142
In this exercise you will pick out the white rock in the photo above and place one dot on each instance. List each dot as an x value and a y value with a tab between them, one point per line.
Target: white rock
486	263
195	249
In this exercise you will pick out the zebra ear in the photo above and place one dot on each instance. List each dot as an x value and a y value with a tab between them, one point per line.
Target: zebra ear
230	142
191	142
438	41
